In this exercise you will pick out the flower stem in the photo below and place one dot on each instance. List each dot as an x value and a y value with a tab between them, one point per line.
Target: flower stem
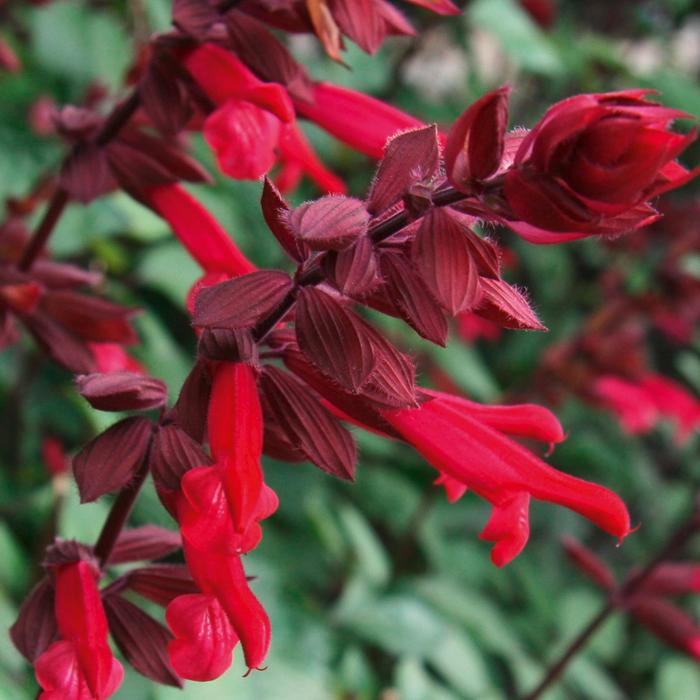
120	511
377	233
616	600
36	244
119	116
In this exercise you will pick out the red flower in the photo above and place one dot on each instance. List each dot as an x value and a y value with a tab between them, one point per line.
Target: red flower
363	122
297	158
79	666
244	130
641	404
467	444
198	231
592	164
254	122
110	357
218	509
472	327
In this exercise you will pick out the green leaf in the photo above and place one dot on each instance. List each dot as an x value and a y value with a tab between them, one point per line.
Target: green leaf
170	269
70	39
413	682
459	661
15	570
466	366
399	624
519	37
370	558
677	678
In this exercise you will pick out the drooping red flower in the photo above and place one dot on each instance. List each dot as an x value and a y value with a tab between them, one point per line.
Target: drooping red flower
110	357
468	444
244	129
218	509
226	501
363	122
591	165
198	231
253	124
80	666
641	404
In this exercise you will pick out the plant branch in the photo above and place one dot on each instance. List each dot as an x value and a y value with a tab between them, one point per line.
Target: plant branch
55	208
617	599
119	116
120	511
377	233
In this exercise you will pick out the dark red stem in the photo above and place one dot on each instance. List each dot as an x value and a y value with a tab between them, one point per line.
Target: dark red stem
616	600
36	244
120	511
378	233
117	119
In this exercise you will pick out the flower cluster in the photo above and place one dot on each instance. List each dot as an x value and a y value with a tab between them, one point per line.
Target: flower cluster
286	361
609	363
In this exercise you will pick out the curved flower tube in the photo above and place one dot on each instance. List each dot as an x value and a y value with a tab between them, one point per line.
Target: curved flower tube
218	509
198	231
254	124
80	666
466	449
363	122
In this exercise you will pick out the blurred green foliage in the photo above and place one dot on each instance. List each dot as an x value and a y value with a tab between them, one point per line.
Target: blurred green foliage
380	584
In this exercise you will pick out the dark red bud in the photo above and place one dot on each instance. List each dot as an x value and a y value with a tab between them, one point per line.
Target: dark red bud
122	391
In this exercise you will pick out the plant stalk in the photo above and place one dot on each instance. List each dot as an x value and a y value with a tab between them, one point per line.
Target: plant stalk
314	275
617	600
119	512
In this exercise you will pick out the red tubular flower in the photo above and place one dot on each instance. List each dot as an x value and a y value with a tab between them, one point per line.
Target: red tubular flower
218	509
198	231
460	443
519	420
363	122
244	130
254	123
632	405
226	501
641	404
79	666
110	357
591	165
224	586
297	158
675	402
